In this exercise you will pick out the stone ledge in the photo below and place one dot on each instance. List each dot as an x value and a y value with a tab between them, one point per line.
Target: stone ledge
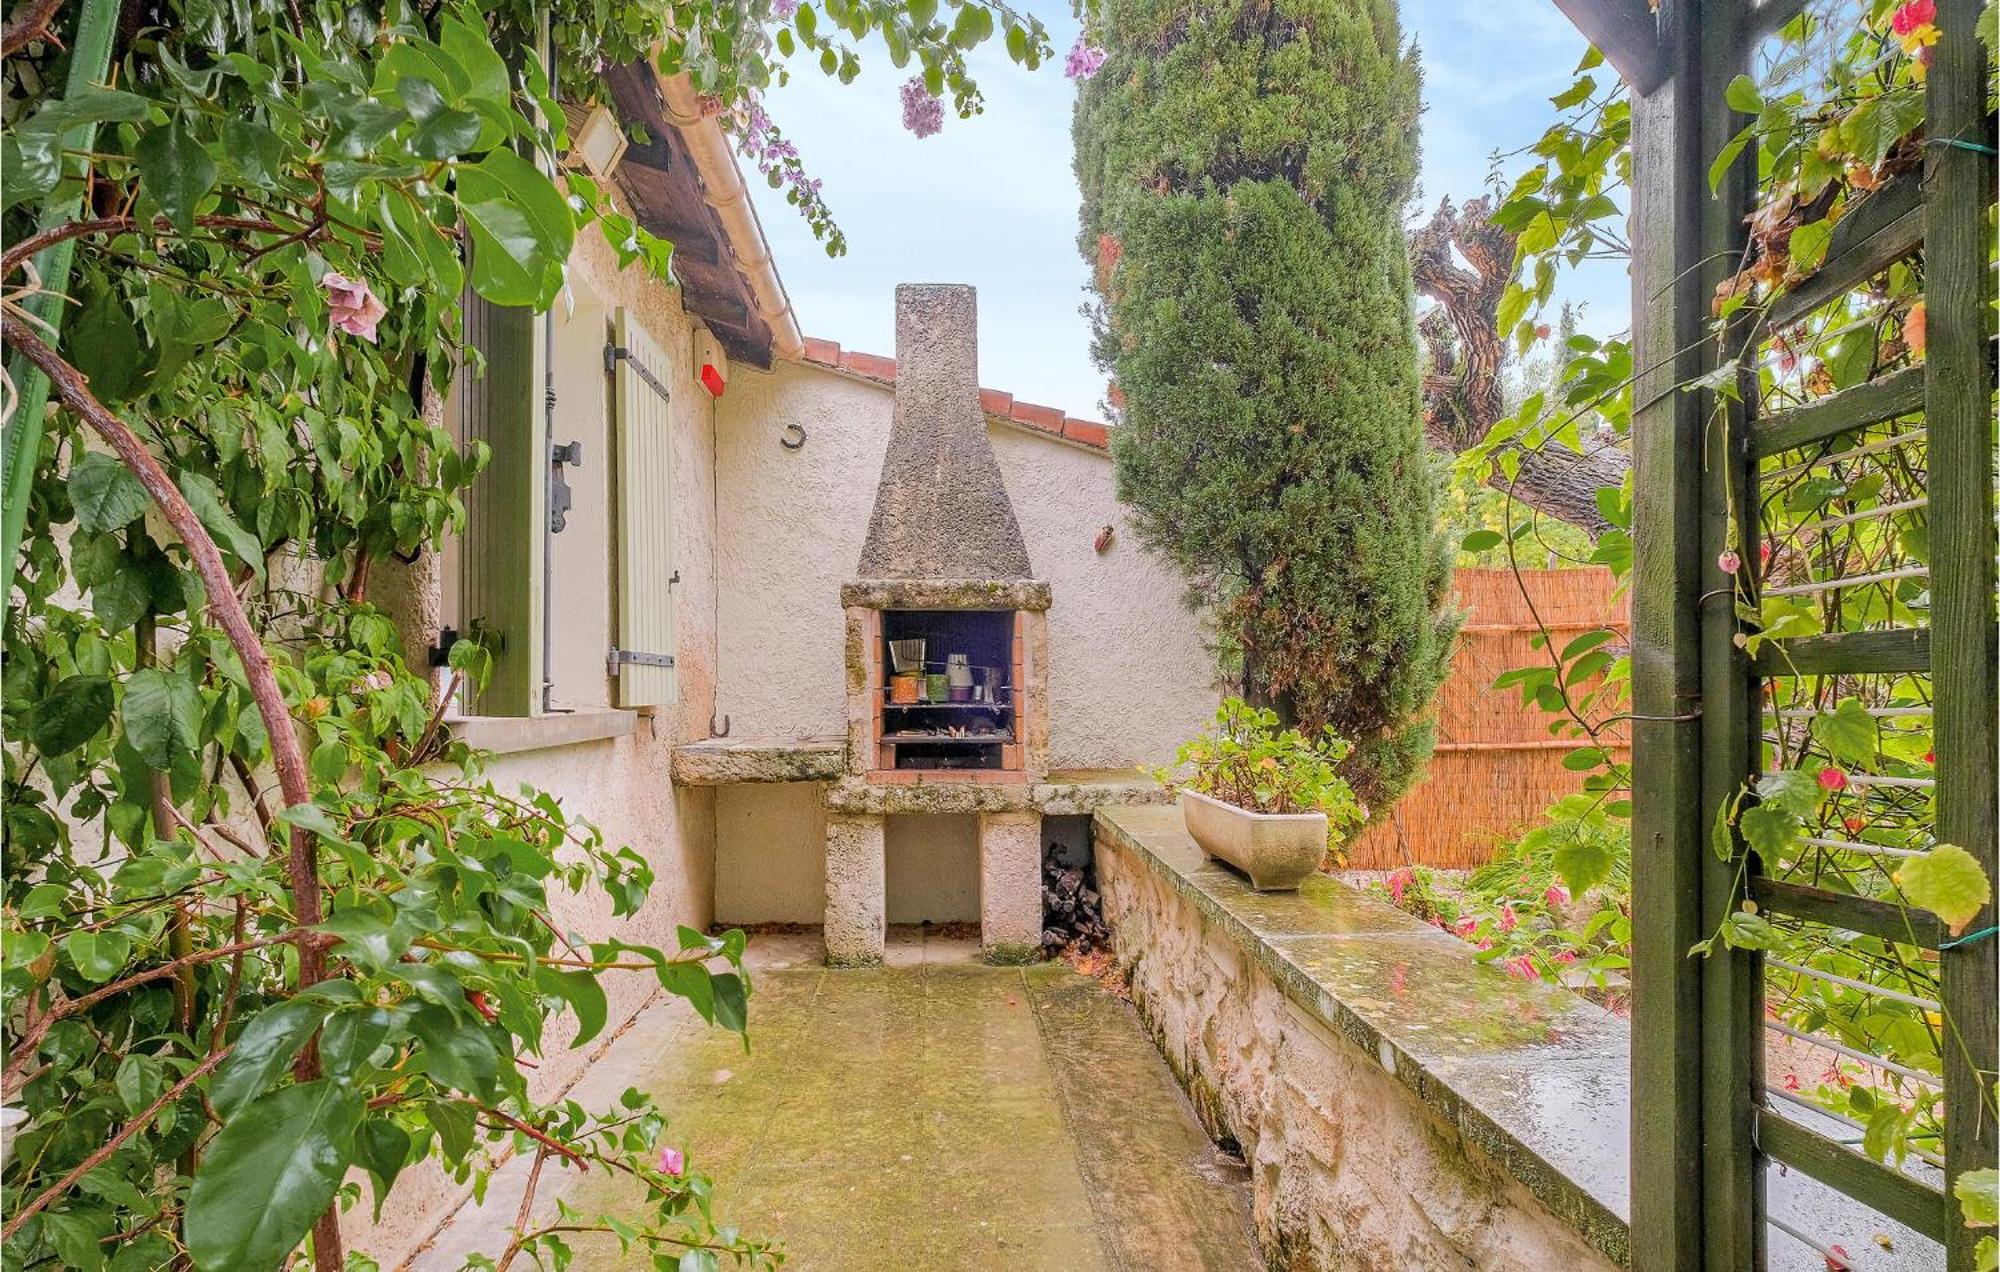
945	594
507	735
728	761
1060	792
1535	1078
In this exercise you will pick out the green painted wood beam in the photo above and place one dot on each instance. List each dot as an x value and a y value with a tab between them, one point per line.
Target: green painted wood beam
1959	294
21	441
1885	919
1868	1181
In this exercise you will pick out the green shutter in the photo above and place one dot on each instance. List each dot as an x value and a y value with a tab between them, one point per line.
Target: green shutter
645	485
499	579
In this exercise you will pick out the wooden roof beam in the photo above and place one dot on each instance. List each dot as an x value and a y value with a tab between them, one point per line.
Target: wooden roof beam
1626	32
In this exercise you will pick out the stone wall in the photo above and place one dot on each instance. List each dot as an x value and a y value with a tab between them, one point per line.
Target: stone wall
1350	1168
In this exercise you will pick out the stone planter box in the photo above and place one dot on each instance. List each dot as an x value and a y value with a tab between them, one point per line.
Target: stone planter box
1279	851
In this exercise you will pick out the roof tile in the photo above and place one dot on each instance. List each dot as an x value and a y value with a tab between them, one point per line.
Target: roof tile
995	402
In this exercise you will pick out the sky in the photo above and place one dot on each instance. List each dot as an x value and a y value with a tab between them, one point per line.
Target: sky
992	200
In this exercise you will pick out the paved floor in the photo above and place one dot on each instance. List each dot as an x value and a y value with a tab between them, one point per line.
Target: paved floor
936	1113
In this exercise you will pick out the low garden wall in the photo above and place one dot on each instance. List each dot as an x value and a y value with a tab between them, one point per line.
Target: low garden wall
1399	1105
1402	1105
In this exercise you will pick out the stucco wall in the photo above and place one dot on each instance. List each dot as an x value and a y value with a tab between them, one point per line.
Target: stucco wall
933	869
770	860
621	785
1128	673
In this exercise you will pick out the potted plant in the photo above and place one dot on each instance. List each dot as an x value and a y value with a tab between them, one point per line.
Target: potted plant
1262	797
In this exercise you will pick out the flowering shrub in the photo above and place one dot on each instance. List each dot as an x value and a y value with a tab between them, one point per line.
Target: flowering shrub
1554	904
923	113
1250	761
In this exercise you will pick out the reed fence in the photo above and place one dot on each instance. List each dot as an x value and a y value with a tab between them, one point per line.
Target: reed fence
1496	766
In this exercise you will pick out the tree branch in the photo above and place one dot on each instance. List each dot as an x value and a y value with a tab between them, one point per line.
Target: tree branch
1462	389
29	23
112	1145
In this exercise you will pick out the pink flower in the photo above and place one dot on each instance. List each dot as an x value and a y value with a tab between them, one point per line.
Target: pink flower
1507	919
1728	562
1836	1256
1400	881
1566	957
1557	895
1917	13
923	114
354	308
672	1161
1084	59
1465	926
1832	779
783	10
1791	1082
1764	553
1521	966
1485	945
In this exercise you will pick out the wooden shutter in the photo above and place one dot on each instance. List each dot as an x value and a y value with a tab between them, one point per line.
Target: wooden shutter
499	555
645	486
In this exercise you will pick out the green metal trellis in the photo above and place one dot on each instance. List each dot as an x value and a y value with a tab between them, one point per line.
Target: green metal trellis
1704	1126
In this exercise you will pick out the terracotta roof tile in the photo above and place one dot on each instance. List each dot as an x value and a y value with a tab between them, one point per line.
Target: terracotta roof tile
995	402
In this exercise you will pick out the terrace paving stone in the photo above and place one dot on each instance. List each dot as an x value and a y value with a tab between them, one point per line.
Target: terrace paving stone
933	1113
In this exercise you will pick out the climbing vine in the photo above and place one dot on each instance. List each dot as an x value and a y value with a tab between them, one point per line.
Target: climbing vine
265	921
1846	801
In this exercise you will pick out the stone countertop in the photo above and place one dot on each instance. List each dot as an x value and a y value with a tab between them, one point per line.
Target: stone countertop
726	761
1538	1077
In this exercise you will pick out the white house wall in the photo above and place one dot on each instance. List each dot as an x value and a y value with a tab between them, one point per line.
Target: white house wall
621	785
1129	675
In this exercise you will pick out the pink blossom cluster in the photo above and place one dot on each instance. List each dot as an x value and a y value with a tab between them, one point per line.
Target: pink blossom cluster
352	306
923	114
1084	59
783	10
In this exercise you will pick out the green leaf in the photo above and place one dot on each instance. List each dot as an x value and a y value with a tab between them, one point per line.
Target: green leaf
1794	790
349	1038
1742	95
583	994
107	348
264	1050
1727	158
468	44
1809	243
456	1053
521	229
162	716
105	494
1768	828
176	171
71	715
382	1149
1947	881
1481	540
138	1081
268	1174
732	1006
230	535
1848	732
1745	931
1978	1193
1583	862
98	956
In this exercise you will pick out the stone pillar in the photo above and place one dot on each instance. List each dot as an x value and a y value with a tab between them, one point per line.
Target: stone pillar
1010	886
856	890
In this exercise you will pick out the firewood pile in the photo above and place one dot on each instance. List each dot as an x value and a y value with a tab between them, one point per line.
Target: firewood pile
1072	911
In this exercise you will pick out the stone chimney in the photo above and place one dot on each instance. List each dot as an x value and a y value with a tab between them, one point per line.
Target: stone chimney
941	510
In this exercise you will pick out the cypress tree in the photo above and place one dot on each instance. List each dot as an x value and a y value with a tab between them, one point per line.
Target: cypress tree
1244	166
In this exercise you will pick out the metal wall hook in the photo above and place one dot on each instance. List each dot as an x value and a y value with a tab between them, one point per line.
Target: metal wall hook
791	429
716	731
